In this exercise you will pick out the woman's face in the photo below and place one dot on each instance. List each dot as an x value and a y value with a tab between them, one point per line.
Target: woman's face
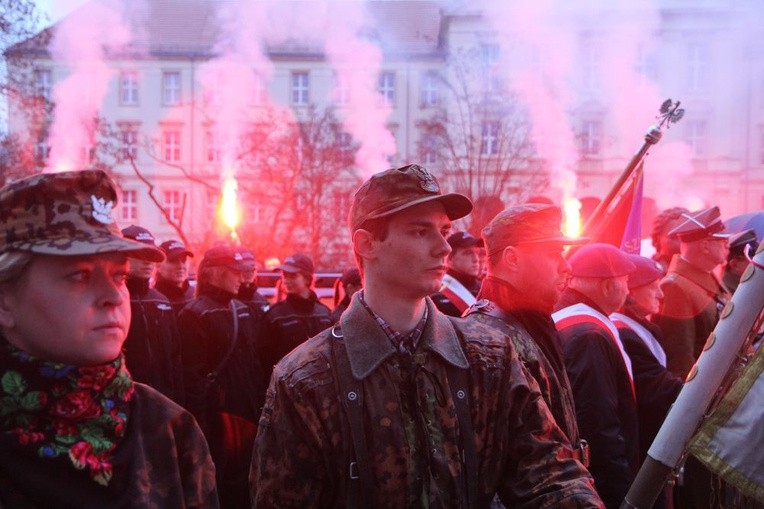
69	309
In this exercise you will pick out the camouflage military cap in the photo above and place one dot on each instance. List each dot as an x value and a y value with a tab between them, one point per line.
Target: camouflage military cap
65	214
531	223
392	191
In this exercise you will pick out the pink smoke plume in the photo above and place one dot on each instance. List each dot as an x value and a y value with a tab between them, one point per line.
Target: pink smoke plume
357	63
565	60
236	81
78	45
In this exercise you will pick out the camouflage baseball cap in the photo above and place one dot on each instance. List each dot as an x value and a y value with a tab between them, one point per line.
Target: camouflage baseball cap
532	223
65	214
391	191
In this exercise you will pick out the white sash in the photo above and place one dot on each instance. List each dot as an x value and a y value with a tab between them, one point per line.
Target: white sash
647	338
582	309
457	293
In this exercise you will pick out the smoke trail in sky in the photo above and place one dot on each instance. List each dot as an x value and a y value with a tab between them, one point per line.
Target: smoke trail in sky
78	46
357	63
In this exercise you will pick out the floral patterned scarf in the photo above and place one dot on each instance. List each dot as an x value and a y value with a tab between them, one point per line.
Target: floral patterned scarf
63	410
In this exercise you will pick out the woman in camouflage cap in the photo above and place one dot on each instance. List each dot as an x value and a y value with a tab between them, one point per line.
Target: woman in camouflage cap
75	430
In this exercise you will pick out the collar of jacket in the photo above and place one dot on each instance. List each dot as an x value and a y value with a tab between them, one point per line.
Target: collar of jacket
706	280
137	286
216	293
368	346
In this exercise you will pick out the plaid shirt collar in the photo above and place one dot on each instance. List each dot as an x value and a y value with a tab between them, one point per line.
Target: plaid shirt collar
404	343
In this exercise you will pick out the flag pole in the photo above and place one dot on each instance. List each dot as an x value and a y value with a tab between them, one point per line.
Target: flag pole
720	352
670	113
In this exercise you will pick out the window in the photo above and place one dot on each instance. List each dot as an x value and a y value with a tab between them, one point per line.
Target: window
42	83
429	93
697	66
386	86
489	58
171	88
696	137
171	140
489	138
428	149
173	204
591	138
212	147
129	142
590	64
128	88
645	65
300	88
129	205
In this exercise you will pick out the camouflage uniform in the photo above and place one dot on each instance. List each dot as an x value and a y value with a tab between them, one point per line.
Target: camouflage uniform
691	305
304	449
554	384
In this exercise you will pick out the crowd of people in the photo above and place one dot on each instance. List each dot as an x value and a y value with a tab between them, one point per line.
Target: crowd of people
521	368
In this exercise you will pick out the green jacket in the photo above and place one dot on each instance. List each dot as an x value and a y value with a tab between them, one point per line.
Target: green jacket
692	302
303	448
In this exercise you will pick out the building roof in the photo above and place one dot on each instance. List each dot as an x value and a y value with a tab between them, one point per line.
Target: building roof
190	28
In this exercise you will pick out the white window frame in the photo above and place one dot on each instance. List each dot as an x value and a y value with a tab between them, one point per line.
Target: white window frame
171	88
489	138
129	205
172	203
211	146
128	88
591	138
430	89
697	66
386	86
129	142
300	88
171	145
43	83
697	137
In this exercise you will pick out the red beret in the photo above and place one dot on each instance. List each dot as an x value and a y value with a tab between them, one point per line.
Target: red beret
647	271
600	260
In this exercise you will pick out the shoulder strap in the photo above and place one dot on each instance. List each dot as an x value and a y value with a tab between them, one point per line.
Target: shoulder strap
212	375
458	380
361	485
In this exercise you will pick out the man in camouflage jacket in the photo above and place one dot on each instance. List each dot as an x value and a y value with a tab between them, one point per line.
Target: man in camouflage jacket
526	273
443	415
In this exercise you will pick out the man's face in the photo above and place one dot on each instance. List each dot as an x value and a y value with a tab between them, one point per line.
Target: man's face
70	309
296	283
718	250
175	270
411	262
543	272
466	260
617	289
647	298
141	269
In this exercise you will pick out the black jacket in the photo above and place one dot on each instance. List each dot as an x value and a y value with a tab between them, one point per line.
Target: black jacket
178	297
206	327
289	323
152	347
656	386
606	410
249	295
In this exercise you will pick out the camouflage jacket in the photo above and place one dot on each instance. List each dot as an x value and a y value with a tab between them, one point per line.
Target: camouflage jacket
303	448
691	306
554	385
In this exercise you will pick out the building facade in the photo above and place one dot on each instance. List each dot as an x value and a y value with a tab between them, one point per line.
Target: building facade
156	110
